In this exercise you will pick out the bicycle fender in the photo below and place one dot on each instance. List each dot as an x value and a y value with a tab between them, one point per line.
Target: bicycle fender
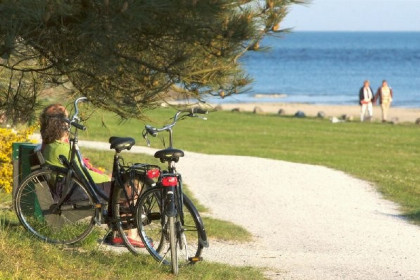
170	209
201	230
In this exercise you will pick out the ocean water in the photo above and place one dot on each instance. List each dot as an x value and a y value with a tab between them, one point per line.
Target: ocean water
330	67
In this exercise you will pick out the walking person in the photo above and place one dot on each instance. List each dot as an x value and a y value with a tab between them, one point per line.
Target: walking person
365	100
384	94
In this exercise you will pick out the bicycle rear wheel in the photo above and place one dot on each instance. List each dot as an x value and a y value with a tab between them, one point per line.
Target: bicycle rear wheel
154	229
123	210
36	205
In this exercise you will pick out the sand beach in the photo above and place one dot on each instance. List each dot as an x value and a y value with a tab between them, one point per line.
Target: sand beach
397	114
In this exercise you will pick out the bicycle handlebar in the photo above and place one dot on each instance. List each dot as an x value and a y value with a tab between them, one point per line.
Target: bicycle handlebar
75	124
76	107
179	115
74	121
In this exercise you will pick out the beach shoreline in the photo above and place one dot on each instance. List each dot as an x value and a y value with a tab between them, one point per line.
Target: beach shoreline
396	114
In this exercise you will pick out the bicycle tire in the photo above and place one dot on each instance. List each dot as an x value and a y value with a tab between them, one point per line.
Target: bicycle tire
173	244
35	204
123	210
153	229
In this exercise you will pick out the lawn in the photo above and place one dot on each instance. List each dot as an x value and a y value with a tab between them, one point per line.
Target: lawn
386	155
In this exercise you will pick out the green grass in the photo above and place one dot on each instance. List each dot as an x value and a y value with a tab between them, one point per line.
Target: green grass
25	257
384	154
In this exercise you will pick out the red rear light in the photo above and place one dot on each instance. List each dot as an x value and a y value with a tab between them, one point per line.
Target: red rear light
169	181
153	173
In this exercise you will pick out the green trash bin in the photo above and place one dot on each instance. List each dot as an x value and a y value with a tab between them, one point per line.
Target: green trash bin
24	161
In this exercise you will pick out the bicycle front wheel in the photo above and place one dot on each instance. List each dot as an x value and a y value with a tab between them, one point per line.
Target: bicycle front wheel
54	210
154	229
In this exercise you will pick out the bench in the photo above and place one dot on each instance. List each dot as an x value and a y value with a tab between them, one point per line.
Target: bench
26	158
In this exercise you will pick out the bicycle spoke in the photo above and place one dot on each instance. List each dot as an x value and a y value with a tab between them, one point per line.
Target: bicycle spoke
36	207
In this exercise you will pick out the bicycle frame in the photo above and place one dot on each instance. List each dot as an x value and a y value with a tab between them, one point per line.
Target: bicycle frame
77	168
175	190
81	172
174	201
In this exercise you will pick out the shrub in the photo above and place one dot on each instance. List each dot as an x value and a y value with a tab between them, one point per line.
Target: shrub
7	137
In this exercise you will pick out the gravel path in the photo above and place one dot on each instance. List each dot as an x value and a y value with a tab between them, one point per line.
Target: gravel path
308	222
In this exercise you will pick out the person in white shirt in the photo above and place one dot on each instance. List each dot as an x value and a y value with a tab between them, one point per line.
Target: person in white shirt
384	94
365	100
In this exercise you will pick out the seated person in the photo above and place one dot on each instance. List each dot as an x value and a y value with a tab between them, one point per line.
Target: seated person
55	142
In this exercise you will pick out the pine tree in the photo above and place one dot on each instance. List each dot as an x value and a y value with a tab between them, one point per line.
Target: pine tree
125	56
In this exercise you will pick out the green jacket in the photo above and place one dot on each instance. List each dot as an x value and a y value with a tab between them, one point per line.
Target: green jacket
53	150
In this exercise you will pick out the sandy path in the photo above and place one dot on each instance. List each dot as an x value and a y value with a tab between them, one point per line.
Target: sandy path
309	222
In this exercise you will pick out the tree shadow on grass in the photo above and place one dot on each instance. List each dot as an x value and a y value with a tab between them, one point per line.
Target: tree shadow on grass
8	219
9	223
413	216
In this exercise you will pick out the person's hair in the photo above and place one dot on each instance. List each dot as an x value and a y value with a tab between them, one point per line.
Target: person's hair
52	123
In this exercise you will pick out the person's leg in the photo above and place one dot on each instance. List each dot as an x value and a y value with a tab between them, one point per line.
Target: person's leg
385	108
363	112
105	187
383	112
370	110
133	189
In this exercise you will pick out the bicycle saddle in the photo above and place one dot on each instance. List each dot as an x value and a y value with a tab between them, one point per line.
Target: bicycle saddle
169	154
121	143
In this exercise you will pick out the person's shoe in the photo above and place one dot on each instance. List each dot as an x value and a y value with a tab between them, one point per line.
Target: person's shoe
108	238
118	241
136	243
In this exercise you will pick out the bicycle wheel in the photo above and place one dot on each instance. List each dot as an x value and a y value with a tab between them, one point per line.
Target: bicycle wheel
154	229
123	210
38	209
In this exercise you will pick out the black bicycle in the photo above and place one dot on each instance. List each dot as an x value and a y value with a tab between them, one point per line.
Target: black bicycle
168	222
62	205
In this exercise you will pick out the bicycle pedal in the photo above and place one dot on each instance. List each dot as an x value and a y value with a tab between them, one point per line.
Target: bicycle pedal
195	259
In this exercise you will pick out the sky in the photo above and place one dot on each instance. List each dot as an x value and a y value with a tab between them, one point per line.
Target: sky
355	15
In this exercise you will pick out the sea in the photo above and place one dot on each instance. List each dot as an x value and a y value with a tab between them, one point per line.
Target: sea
330	67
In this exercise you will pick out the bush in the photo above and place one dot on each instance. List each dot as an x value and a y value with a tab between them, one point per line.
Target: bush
7	137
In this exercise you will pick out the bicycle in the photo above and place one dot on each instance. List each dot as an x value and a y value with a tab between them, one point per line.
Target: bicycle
62	204
168	222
